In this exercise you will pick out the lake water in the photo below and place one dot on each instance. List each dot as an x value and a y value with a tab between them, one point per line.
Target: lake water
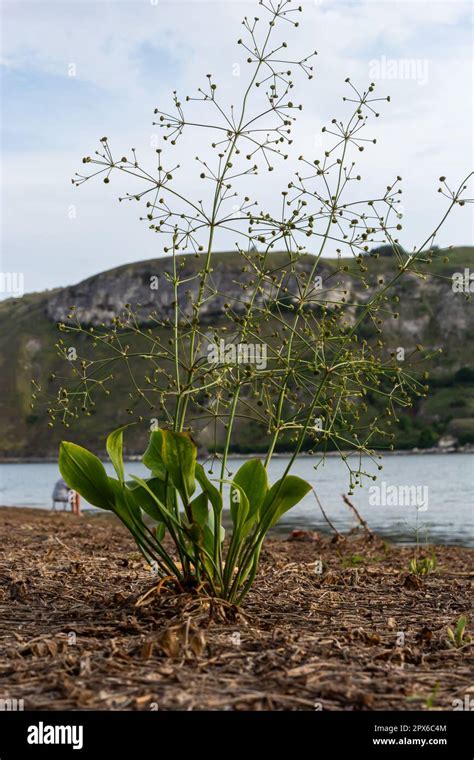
440	500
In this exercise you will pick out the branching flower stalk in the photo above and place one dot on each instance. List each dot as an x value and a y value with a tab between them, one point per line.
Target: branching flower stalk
318	321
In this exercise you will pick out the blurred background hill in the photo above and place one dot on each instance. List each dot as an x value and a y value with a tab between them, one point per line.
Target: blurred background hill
431	314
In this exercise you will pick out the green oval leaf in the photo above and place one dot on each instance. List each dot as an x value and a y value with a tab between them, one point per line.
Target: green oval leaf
282	496
114	446
85	473
152	456
178	454
252	478
143	499
166	515
209	488
239	506
200	509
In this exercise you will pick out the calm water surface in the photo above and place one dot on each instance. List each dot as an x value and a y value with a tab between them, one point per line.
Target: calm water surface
448	479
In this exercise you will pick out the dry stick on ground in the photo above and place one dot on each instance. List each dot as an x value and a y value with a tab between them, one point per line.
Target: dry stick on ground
366	528
333	527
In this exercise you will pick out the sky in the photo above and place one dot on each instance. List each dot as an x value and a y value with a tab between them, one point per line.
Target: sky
76	70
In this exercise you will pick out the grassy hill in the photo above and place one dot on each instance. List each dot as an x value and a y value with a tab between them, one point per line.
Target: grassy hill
431	314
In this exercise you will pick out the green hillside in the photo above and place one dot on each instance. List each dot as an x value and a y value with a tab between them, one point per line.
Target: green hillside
431	314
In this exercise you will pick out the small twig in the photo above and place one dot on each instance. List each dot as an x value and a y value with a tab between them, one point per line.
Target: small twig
367	530
333	527
61	543
186	635
155	589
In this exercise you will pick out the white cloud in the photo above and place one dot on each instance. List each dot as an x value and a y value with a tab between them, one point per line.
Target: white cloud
132	54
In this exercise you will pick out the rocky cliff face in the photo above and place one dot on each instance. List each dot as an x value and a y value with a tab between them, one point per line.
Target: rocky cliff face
429	310
147	286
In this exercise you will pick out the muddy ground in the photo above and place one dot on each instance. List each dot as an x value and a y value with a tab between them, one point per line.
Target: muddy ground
79	631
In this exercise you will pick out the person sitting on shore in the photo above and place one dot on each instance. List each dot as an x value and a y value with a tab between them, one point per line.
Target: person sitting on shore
65	495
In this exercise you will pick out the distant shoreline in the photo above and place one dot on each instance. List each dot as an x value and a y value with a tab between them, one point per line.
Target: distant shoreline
468	449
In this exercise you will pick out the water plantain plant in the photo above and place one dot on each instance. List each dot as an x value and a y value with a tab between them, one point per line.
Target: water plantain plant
289	351
185	505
